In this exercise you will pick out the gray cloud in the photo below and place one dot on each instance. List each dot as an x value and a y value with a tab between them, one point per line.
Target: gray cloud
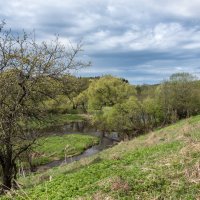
142	40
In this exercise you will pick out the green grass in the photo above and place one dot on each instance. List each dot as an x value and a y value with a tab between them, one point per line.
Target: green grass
162	165
57	147
53	120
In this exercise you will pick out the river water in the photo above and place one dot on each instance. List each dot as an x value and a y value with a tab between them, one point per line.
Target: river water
106	141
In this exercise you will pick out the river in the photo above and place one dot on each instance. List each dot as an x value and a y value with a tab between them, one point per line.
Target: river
106	141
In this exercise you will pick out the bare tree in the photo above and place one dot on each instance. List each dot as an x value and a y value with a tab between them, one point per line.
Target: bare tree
28	74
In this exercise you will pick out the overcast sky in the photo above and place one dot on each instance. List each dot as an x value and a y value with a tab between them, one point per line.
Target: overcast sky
143	41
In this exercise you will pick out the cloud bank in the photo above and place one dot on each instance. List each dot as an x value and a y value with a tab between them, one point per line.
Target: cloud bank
142	40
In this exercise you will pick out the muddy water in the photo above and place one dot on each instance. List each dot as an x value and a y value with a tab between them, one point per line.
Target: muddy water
106	141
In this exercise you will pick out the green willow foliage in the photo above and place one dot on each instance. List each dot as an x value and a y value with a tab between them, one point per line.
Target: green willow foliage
118	107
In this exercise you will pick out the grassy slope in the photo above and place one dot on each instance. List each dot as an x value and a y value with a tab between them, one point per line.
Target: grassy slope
57	147
164	164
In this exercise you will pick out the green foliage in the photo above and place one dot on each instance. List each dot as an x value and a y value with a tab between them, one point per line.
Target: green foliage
179	97
102	120
107	91
115	107
72	87
81	101
58	105
124	117
145	91
130	118
153	112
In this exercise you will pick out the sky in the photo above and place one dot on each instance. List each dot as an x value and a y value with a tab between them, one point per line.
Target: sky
144	41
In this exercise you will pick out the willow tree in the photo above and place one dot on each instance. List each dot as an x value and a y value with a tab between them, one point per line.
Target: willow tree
28	73
108	91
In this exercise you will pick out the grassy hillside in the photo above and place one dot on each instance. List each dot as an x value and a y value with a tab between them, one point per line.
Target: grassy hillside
164	164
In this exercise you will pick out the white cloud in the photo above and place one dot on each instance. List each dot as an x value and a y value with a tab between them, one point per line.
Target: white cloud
115	26
162	36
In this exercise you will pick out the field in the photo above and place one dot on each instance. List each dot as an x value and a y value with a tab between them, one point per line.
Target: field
58	147
164	164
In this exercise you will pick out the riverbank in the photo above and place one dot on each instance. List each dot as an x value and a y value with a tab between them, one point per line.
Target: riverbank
63	144
57	147
103	144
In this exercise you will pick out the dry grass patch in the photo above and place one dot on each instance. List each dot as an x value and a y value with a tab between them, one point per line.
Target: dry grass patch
190	148
193	173
105	182
120	185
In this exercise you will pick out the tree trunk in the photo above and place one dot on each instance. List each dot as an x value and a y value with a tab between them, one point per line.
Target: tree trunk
102	136
7	177
14	182
9	172
84	108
